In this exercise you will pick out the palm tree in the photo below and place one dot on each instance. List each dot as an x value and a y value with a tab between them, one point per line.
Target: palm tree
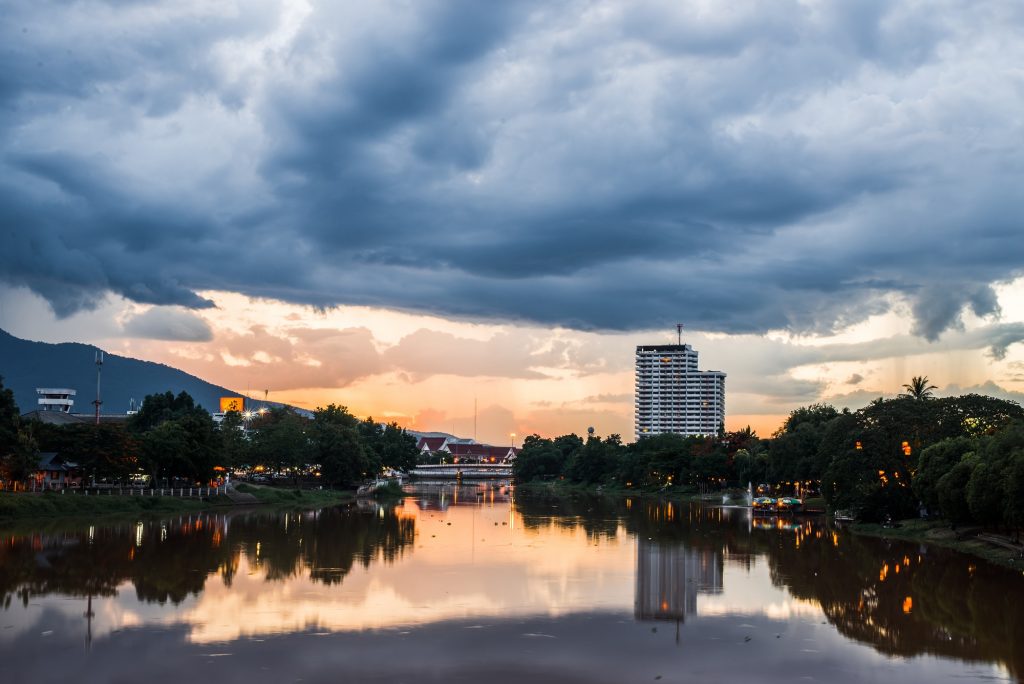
919	388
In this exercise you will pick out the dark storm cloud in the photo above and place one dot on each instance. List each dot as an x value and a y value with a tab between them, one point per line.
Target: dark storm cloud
595	165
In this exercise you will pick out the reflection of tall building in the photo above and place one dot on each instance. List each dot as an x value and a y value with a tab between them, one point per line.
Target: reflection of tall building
669	577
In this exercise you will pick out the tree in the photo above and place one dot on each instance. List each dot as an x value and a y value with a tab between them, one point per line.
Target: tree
793	453
597	461
986	493
918	388
12	452
195	456
162	448
9	421
936	461
837	438
539	459
23	460
972	415
235	449
653	460
568	445
337	444
159	408
816	414
952	491
280	440
104	451
396	448
1014	502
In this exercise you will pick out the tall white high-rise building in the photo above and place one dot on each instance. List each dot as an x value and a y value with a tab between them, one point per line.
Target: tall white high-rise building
673	396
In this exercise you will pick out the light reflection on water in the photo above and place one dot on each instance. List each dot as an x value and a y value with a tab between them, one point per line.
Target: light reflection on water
479	583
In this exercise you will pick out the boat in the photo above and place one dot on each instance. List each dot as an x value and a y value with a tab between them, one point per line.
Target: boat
789	504
763	505
845	516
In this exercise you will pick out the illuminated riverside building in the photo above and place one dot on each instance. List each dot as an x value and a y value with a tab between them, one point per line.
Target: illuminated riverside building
672	396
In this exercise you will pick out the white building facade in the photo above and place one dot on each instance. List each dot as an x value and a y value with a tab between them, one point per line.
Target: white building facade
673	396
61	399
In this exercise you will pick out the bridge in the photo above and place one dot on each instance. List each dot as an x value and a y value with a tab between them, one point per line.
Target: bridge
464	471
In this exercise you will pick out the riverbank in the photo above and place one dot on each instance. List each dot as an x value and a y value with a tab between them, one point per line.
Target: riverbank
564	488
51	504
964	540
280	496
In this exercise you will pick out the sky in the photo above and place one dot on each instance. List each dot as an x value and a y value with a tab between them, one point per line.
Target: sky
415	208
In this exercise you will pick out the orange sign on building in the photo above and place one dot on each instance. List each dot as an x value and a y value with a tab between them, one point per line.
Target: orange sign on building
231	404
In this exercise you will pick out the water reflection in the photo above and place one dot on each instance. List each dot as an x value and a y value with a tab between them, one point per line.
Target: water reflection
171	560
903	599
669	577
529	582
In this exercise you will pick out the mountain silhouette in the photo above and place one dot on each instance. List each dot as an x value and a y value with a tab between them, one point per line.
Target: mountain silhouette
26	365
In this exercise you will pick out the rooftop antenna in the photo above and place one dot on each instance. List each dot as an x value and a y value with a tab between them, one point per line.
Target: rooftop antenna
474	419
679	332
99	367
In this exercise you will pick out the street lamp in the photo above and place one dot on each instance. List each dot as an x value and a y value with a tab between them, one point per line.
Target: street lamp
513	436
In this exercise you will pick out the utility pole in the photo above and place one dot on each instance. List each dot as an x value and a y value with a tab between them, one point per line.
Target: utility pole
99	367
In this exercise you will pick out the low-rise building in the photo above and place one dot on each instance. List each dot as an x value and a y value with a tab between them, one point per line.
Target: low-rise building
53	472
59	399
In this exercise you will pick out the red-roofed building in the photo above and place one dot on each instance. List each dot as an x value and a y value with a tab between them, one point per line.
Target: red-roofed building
428	445
480	453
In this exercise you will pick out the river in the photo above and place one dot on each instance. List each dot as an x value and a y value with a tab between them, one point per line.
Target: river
480	584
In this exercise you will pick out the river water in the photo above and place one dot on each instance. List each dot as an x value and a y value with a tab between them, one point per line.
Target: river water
479	584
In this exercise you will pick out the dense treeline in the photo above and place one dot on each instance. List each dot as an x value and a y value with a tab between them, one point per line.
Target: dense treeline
654	462
961	458
18	450
171	437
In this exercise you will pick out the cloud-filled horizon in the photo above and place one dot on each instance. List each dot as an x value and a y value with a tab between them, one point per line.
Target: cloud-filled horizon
432	373
574	176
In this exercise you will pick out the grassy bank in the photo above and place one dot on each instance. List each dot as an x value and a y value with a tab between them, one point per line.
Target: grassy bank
939	533
53	505
565	488
305	498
